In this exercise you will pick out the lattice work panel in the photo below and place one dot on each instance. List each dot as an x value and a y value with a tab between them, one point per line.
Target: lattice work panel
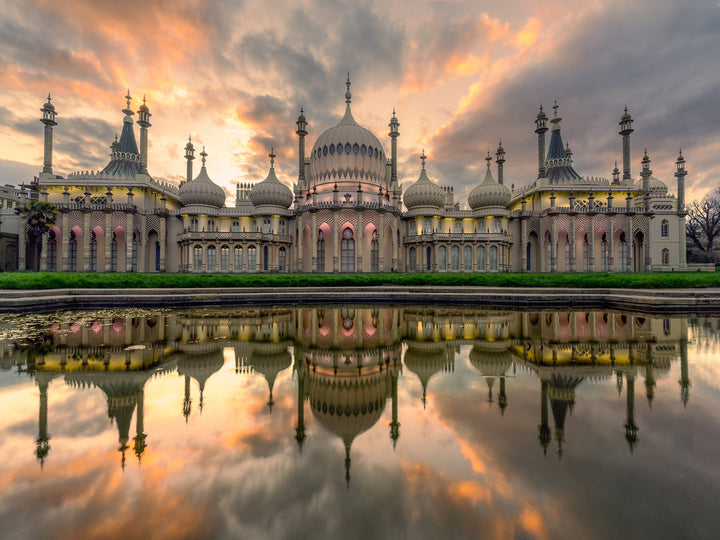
97	219
370	218
602	222
640	224
533	226
582	222
325	216
563	222
389	220
348	215
152	222
75	219
119	220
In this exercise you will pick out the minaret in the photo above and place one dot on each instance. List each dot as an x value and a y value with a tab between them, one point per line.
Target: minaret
646	174
616	175
541	123
144	123
301	132
500	154
189	156
394	126
625	130
48	118
680	175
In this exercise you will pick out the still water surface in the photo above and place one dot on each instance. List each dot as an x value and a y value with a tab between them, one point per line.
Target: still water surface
358	423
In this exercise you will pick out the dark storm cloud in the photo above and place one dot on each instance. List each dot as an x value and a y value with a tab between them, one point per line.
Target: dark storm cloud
635	56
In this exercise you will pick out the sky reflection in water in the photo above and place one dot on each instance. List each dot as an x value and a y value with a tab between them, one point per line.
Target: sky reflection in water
417	422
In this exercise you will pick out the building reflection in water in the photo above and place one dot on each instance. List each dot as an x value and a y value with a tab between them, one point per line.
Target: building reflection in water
347	361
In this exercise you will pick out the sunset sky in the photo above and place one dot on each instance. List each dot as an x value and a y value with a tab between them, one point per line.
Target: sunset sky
461	74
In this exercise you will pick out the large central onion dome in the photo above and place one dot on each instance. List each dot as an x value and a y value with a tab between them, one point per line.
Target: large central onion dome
489	192
424	192
347	152
202	190
271	191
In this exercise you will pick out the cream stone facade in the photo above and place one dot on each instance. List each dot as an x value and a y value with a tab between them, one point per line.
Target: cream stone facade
346	212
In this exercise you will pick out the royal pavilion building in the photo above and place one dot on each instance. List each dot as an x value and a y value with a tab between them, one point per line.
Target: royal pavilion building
346	212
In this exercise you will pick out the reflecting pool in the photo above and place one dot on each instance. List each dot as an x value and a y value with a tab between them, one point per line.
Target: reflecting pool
356	422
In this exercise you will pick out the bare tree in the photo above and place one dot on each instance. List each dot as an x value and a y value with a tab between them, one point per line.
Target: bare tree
703	223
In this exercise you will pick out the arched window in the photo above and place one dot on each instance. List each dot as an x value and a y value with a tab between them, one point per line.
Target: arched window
493	259
224	259
442	258
623	252
134	251
467	256
413	259
481	258
72	252
194	225
93	252
428	257
604	253
321	251
586	255
252	259
197	258
235	226
281	259
211	258
528	257
238	259
52	251
374	253
347	251
113	254
427	226
665	257
266	262
455	258
157	256
664	227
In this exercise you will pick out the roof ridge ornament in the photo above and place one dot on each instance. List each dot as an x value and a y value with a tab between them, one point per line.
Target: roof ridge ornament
423	157
272	157
204	154
127	110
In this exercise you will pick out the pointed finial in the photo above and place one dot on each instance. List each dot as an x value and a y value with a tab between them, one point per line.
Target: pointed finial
555	108
272	158
348	95
488	159
541	108
116	139
204	155
128	98
301	110
49	98
423	157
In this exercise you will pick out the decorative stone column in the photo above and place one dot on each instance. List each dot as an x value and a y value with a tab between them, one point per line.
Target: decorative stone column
65	234
359	241
87	235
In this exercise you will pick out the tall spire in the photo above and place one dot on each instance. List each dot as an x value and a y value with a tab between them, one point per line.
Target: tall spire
127	110
348	95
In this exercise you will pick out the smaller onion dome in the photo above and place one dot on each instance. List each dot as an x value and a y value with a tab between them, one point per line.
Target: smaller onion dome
424	192
655	186
271	191
48	105
489	192
202	190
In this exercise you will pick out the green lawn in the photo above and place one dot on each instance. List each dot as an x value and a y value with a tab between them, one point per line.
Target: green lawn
60	280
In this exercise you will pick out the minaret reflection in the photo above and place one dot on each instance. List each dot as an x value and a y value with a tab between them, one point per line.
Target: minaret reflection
493	360
42	443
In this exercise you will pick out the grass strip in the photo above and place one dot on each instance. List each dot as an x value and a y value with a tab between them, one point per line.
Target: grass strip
82	280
